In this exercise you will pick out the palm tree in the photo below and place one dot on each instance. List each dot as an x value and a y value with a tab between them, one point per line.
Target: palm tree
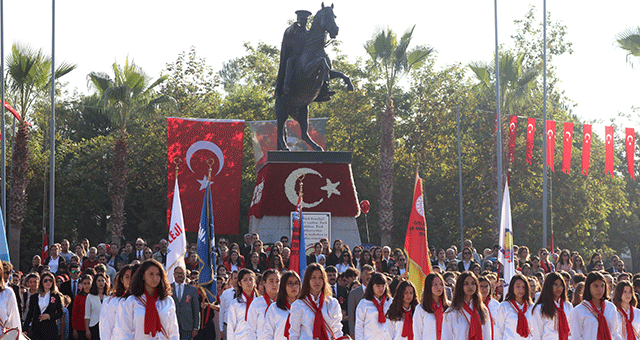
29	78
392	59
629	40
128	96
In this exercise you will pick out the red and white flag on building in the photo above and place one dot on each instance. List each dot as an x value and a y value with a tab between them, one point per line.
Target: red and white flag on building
608	150
551	143
198	142
513	124
567	142
586	148
531	130
631	150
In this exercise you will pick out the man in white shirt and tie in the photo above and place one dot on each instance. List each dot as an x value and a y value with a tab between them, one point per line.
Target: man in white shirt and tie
185	298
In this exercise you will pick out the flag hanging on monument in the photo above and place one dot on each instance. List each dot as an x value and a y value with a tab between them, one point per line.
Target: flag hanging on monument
177	238
505	256
206	242
416	246
298	257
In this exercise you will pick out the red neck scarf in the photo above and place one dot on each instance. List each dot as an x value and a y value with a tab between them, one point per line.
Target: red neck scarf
437	310
475	325
603	327
563	324
407	326
380	306
319	331
152	323
523	325
486	303
628	326
249	301
287	325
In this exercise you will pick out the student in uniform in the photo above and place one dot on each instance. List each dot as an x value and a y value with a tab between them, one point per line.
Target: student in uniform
628	315
238	327
514	314
428	317
467	317
486	293
110	306
549	314
258	308
400	313
594	318
370	313
276	321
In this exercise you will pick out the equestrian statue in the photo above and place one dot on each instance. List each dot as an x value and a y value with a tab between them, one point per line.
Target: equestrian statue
305	71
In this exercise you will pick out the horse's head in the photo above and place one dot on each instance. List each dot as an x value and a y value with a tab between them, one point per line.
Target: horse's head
326	20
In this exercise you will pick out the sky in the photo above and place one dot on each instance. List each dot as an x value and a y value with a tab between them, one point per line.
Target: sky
94	34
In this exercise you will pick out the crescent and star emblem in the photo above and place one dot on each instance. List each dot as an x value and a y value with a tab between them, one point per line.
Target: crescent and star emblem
550	134
205	145
530	128
512	126
609	138
630	140
587	138
568	134
290	187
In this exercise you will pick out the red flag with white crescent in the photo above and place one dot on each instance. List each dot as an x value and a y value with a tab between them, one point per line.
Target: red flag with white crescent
631	150
586	148
531	129
567	141
513	124
608	150
551	142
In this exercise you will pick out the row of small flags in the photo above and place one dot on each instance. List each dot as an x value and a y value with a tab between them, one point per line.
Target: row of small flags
567	142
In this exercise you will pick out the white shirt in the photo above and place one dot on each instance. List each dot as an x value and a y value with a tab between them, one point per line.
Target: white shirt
237	327
341	267
302	318
367	325
130	319
635	322
92	307
53	264
424	324
395	328
108	316
225	301
9	314
256	317
507	321
544	328
455	325
179	290
274	323
584	325
43	302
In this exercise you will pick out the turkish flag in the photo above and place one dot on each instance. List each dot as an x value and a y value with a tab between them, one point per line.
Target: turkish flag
513	124
198	143
608	150
567	141
531	129
586	148
551	142
630	140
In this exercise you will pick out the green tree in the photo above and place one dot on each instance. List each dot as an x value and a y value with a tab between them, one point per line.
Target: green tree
393	60
629	40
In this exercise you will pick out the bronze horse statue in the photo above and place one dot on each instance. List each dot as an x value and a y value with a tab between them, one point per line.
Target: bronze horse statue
311	70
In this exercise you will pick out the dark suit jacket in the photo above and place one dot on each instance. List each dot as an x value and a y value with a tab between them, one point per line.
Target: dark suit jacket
46	329
461	265
65	289
354	298
188	308
16	291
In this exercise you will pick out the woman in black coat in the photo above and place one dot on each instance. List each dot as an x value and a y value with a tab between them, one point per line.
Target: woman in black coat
44	309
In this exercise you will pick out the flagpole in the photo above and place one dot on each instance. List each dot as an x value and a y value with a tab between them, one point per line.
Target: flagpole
498	120
460	180
3	136
544	124
52	143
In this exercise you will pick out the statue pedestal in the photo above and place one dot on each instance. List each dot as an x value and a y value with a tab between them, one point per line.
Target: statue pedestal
328	188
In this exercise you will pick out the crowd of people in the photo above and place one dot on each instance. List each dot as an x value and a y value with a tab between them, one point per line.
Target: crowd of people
111	292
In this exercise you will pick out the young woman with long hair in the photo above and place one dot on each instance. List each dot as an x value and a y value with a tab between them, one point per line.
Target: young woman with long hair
370	313
276	322
486	293
564	261
149	311
549	319
594	318
466	318
429	316
44	309
335	256
259	306
238	315
578	265
514	314
97	293
400	313
366	258
78	310
233	262
628	315
346	261
316	314
9	313
110	306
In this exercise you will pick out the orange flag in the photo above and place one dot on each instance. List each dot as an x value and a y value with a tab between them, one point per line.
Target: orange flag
415	244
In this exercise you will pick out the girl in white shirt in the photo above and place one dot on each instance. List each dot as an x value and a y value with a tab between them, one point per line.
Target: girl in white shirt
629	317
429	316
594	318
467	317
93	304
549	320
345	261
371	323
514	314
316	314
276	321
9	314
238	327
258	308
400	313
486	293
110	305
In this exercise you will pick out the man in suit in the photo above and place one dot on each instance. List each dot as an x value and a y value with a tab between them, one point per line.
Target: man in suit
339	292
245	248
161	255
185	298
71	287
137	254
355	296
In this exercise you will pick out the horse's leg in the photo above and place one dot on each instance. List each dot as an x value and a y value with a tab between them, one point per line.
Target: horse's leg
335	74
281	116
303	120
